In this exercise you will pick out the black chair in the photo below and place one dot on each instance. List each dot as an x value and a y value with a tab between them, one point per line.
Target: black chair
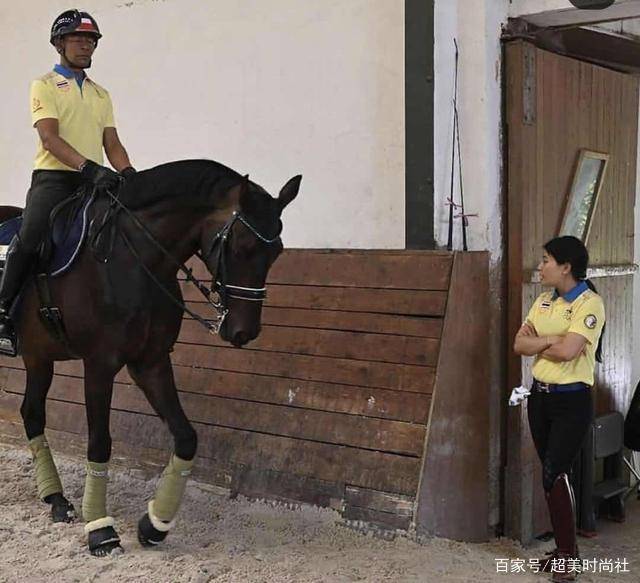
601	498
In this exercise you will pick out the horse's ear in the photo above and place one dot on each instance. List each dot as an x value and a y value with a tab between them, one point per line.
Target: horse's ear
289	191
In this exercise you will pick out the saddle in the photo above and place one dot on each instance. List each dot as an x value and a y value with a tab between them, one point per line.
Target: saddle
68	231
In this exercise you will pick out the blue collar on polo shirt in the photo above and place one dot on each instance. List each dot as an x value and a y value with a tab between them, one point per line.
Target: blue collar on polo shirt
574	293
69	74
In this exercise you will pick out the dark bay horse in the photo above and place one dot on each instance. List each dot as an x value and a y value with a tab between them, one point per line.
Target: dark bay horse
127	311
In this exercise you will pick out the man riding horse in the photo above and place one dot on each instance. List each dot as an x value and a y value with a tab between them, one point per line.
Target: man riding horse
73	116
125	278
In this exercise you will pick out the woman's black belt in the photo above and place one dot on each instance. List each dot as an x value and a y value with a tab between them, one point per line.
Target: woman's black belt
540	387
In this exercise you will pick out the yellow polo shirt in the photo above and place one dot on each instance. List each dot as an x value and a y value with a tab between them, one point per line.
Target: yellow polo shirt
580	311
82	115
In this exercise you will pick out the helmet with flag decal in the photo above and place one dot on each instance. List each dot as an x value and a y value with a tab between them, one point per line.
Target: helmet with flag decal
72	21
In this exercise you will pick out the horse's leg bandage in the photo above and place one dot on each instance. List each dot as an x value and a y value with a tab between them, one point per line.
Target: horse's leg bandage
47	478
94	501
169	492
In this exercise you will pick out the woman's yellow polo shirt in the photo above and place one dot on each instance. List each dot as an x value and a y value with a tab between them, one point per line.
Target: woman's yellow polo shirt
580	311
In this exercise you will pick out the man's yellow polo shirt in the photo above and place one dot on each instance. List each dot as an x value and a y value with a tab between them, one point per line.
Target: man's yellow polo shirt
82	114
581	311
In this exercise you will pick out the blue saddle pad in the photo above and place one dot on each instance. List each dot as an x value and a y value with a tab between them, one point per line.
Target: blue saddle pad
68	235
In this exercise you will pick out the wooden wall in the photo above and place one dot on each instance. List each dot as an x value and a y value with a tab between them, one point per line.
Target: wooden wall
577	105
453	500
330	405
557	106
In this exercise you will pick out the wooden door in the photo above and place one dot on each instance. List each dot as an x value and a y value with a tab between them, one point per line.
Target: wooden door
557	106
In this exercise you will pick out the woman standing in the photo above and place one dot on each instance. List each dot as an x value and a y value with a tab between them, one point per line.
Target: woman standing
563	330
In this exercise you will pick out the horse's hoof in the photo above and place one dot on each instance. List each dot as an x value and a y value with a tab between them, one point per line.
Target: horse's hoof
148	535
61	509
108	550
104	542
64	512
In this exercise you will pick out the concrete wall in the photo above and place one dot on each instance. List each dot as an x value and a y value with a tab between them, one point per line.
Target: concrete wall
271	88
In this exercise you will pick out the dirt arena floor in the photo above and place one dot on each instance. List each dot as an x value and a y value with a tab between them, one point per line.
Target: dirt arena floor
222	540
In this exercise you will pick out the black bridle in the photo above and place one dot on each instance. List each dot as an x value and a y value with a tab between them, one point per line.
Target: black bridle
225	289
221	286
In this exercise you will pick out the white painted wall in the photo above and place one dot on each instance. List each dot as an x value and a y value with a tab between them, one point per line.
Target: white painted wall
477	27
271	88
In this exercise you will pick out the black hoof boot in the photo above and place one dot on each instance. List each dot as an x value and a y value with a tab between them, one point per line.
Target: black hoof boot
61	509
104	542
148	535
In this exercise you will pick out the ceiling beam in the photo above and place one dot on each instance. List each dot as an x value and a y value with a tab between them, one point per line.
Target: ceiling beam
602	48
620	10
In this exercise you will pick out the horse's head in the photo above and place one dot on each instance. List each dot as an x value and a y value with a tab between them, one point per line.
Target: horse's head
239	256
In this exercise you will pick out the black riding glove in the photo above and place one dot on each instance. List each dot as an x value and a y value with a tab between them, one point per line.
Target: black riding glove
128	172
99	176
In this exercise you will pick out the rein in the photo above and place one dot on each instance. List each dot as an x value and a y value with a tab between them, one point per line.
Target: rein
223	289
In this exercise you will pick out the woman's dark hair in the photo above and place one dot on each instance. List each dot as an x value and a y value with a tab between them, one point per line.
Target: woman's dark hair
571	250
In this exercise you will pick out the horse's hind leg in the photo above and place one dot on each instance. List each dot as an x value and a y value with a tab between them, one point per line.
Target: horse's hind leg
102	537
39	376
156	381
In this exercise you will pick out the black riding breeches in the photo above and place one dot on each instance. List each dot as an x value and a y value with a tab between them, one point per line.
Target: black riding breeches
559	423
48	189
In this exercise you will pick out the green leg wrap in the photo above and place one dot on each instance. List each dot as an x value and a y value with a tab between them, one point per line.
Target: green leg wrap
47	477
94	501
171	489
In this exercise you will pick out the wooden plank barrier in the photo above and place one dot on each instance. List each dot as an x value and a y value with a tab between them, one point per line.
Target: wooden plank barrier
330	405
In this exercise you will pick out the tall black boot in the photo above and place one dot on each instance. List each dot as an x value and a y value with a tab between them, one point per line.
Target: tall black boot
15	268
562	509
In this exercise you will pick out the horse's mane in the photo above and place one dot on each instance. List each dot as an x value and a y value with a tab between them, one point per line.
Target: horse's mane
181	179
197	183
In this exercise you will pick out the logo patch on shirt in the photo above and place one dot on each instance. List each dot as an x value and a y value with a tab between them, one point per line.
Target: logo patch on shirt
590	321
36	105
63	85
545	304
567	314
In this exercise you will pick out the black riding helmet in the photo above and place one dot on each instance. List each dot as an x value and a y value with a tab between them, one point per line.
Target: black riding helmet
74	21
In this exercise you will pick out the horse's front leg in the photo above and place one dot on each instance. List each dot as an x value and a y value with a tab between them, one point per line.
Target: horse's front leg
98	388
39	376
156	381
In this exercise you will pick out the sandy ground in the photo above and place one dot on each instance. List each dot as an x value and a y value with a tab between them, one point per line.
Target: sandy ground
223	540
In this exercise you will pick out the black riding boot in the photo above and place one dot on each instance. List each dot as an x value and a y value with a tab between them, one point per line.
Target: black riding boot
15	269
562	509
